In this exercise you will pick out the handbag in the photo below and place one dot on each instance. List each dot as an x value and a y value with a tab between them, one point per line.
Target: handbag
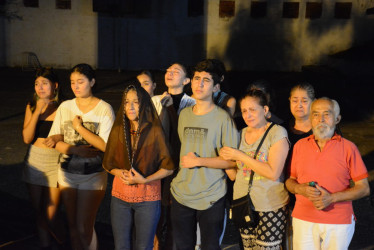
242	211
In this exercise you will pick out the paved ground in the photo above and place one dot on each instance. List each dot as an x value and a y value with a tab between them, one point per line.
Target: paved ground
16	215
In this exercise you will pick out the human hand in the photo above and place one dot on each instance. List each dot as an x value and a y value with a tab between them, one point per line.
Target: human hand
229	154
307	191
86	151
41	104
52	140
77	122
131	177
190	160
323	200
166	99
120	173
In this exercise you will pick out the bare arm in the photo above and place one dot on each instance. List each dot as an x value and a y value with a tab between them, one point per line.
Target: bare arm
31	119
359	190
321	198
52	140
304	189
231	104
231	173
86	151
271	169
191	160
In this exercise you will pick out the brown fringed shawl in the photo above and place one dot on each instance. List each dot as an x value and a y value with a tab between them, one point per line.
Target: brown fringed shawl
151	153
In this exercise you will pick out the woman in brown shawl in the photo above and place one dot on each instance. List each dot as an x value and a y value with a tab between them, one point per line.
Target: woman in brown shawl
138	157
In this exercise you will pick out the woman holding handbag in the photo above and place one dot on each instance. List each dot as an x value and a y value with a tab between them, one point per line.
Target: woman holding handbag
260	161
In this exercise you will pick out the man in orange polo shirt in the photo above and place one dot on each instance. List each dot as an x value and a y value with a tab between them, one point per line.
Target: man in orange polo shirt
327	173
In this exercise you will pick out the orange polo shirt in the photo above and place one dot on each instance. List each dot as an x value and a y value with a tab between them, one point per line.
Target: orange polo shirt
332	168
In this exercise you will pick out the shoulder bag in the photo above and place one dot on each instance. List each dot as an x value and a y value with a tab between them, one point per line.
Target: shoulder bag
242	211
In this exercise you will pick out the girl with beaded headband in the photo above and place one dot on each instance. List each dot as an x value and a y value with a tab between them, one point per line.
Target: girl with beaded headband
138	156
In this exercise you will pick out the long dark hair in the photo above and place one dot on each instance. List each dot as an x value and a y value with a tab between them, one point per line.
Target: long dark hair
49	74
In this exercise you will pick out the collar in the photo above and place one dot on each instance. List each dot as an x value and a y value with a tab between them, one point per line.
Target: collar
334	137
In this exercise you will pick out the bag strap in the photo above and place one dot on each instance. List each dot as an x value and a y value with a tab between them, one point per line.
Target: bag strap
255	155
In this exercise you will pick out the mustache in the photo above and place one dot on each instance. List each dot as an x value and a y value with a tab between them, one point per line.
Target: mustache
322	125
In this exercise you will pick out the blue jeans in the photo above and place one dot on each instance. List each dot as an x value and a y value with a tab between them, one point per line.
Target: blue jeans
143	215
184	220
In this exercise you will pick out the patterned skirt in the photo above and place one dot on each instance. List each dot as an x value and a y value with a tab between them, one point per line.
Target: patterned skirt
269	232
41	165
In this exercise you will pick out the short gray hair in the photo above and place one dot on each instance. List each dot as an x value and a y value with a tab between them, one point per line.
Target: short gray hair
334	104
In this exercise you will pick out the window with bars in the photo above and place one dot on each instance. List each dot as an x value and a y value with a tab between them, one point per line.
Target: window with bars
63	4
343	10
290	10
313	10
226	8
31	3
258	9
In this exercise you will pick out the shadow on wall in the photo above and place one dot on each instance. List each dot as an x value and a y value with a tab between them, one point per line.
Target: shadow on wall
286	44
267	46
148	38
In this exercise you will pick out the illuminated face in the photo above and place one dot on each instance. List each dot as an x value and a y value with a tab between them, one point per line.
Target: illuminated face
300	104
253	113
323	119
147	83
132	105
202	85
44	88
175	76
80	85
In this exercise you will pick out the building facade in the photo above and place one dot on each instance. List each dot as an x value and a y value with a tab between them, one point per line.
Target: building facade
131	35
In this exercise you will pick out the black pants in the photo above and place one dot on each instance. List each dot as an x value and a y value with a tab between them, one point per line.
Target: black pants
184	220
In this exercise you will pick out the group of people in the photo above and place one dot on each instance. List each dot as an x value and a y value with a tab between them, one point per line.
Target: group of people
173	156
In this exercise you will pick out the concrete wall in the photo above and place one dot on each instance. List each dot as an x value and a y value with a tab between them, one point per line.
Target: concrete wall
276	43
63	38
60	38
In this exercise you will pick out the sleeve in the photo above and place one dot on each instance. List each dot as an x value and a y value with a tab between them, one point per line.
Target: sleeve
56	128
106	122
181	124
230	135
157	103
277	133
356	165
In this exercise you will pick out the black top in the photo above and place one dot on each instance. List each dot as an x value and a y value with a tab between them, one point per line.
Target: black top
177	100
293	138
42	129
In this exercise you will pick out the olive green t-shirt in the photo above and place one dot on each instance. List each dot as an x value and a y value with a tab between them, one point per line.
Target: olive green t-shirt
200	187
